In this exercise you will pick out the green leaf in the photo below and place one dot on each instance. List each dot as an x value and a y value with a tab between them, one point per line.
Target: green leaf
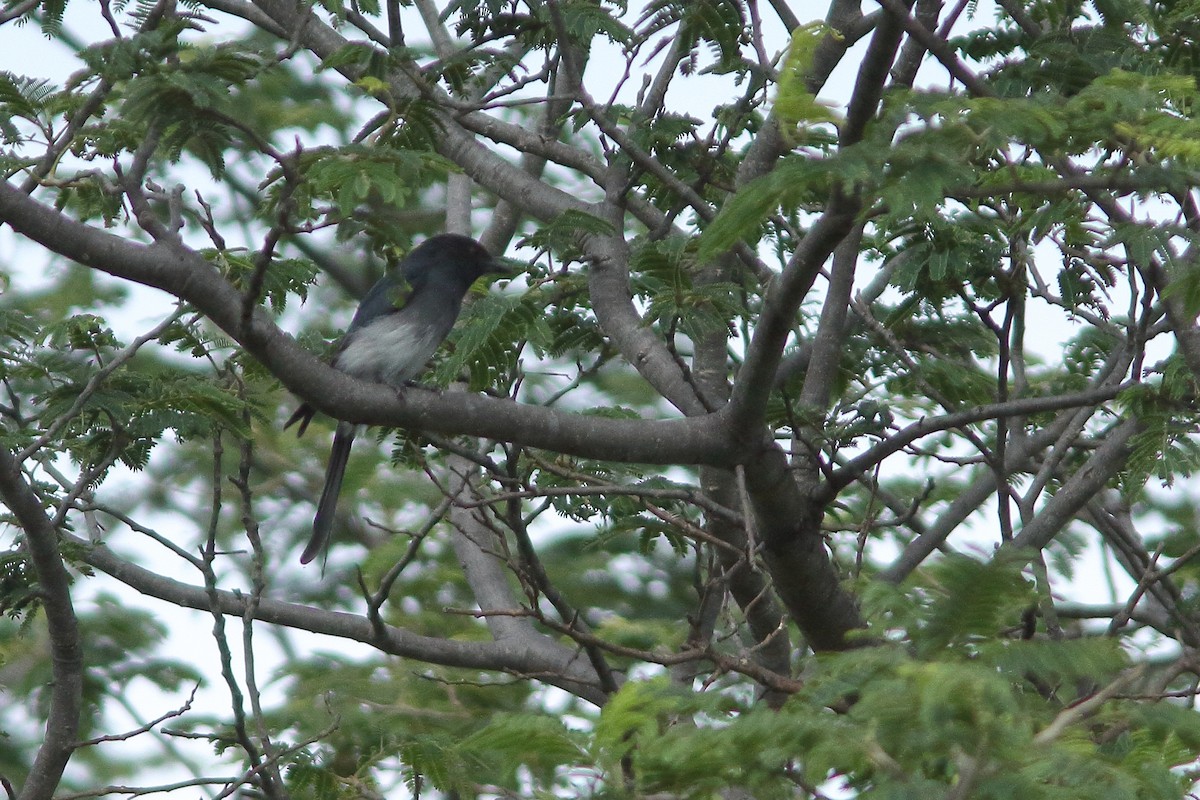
563	233
742	216
487	343
510	742
973	600
794	104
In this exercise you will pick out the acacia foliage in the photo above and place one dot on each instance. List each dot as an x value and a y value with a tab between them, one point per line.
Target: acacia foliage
781	468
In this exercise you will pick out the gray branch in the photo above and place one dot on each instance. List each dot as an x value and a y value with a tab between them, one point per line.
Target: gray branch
558	666
66	649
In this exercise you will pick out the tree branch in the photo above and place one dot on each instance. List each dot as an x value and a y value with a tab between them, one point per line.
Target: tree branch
186	275
1089	479
552	663
66	650
755	379
1025	406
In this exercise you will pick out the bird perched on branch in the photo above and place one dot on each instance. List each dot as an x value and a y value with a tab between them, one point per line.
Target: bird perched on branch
397	328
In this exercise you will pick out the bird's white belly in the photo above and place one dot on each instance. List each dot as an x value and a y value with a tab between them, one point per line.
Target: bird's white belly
390	350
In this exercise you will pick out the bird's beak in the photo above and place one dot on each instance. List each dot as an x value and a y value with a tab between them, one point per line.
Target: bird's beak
500	266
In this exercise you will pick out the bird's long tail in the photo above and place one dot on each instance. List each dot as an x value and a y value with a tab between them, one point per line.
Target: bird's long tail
343	438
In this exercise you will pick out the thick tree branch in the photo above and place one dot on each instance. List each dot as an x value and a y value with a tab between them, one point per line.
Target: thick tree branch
245	10
796	555
832	331
479	554
872	75
848	25
747	585
755	379
66	650
936	45
612	300
1083	485
189	277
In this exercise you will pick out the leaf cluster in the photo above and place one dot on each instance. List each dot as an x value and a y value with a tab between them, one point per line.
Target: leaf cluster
358	189
964	704
175	92
664	276
123	414
718	27
1166	447
489	343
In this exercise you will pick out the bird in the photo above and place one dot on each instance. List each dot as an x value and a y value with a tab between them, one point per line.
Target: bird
398	326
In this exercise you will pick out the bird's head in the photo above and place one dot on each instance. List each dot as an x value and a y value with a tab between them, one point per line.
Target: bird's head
451	258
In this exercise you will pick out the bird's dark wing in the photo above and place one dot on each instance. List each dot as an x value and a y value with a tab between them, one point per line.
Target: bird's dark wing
389	294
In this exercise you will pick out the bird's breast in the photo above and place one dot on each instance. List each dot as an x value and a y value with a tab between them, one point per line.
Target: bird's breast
393	349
